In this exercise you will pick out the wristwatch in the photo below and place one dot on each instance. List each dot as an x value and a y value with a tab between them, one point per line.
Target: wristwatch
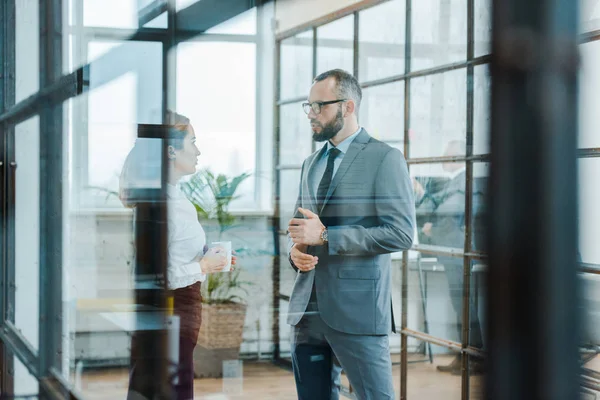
324	236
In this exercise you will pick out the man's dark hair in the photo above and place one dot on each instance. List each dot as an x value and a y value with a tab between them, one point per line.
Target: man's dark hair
347	87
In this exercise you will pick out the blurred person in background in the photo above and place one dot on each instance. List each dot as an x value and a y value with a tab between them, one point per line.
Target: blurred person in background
445	226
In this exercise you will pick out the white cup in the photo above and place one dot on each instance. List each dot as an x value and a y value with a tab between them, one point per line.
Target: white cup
227	247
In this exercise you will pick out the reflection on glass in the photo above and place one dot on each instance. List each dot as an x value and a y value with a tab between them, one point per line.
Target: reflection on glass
381	40
296	69
437	112
27	229
439	33
481	109
295	134
589	85
27	59
335	45
382	112
483	27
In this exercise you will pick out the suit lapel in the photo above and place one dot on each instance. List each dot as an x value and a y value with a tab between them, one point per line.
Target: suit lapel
356	147
310	178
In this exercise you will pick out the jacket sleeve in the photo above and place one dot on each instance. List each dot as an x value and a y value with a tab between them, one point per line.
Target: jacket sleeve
296	215
395	212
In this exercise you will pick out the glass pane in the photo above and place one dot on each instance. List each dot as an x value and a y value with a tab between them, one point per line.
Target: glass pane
424	380
589	212
27	229
125	89
589	13
162	21
295	135
382	112
439	33
589	85
590	299
478	306
242	24
103	13
481	109
25	384
27	49
220	99
435	287
481	173
437	113
483	27
296	69
382	40
335	45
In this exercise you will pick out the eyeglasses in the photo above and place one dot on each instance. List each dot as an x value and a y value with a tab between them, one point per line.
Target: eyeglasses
316	106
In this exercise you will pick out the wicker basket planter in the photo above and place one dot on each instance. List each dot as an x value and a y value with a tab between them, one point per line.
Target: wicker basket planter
220	337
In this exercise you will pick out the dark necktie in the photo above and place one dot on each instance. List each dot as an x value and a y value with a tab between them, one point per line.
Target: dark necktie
326	180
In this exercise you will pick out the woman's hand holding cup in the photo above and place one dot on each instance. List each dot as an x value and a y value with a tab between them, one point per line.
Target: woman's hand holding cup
214	260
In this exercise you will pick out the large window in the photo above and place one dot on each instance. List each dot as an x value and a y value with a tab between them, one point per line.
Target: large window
428	99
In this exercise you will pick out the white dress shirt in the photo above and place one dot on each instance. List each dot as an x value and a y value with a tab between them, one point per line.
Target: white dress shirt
186	241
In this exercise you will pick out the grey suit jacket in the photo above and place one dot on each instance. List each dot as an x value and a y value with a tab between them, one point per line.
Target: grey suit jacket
369	213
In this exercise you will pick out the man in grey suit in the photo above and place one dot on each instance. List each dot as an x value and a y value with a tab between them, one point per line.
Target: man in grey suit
355	207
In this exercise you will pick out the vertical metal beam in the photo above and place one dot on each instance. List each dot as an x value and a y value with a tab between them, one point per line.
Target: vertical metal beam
404	318
7	90
277	211
51	193
356	45
466	298
533	295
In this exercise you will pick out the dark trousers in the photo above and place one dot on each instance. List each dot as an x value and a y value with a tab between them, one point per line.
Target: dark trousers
141	387
319	353
454	275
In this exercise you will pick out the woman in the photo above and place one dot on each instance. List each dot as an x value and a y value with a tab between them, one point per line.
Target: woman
188	265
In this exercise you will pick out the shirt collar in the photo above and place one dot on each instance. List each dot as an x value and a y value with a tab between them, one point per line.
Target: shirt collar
345	144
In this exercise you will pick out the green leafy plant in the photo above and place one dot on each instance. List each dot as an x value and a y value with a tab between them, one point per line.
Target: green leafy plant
211	195
220	288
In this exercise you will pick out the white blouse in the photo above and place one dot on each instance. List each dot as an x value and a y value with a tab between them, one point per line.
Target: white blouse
186	241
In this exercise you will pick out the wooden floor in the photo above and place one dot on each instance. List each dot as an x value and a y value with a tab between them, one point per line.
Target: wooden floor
263	380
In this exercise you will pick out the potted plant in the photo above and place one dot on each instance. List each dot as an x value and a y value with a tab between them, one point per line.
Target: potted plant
223	310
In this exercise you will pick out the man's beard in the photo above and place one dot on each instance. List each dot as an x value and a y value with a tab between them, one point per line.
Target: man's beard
330	129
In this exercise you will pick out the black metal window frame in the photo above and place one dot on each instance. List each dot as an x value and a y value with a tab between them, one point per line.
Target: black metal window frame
468	254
